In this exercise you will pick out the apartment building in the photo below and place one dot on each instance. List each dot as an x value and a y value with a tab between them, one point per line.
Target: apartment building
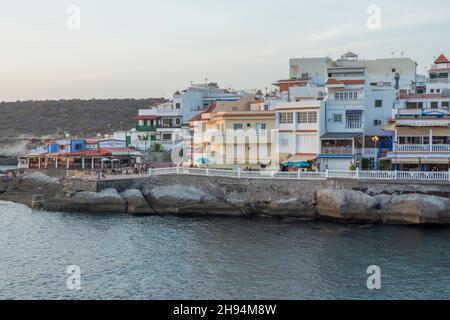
234	134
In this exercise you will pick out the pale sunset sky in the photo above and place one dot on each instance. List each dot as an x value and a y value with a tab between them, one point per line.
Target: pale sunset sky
151	48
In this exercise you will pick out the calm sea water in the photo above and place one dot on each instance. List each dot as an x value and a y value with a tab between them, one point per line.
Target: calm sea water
125	257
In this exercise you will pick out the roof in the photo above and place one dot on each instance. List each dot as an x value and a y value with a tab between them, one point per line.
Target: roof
210	109
333	81
441	59
421	96
147	117
341	135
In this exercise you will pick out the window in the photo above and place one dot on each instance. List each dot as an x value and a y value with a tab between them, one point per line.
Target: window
438	90
237	126
178	121
177	105
434	105
302	117
286	118
78	146
249	125
394	70
307	117
432	91
167	136
312	117
337	118
445	104
377	122
346	95
378	103
261	127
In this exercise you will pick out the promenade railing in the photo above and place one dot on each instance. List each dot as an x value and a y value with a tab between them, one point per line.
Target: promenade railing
329	174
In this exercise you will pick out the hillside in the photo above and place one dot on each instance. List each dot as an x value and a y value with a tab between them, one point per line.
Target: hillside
25	123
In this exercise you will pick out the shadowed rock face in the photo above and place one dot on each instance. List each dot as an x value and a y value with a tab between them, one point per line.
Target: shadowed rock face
355	206
347	205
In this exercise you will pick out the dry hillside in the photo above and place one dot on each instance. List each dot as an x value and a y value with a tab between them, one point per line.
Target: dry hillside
25	123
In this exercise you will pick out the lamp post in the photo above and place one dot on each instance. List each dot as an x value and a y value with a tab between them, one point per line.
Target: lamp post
376	139
67	150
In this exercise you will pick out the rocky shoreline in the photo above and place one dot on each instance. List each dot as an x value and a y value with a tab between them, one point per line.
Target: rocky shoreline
345	201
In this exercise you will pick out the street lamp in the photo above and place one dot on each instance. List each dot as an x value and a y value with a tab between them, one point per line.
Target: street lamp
67	150
376	139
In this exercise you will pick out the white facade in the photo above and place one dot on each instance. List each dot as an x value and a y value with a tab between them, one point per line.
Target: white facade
385	70
314	68
300	126
198	97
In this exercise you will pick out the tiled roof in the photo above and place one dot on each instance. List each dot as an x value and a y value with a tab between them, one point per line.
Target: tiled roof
421	96
333	81
441	59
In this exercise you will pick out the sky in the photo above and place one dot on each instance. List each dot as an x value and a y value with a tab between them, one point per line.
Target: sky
151	48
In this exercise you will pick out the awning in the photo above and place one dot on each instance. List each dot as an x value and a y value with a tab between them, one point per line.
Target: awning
422	123
389	127
420	160
300	160
147	117
341	135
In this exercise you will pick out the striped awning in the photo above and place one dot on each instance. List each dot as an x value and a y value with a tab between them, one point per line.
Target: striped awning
420	160
422	123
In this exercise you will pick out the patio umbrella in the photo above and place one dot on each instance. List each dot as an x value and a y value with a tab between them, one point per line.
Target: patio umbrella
202	160
299	164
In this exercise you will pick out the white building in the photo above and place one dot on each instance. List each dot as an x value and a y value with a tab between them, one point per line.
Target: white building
198	97
345	118
313	68
439	76
384	70
300	126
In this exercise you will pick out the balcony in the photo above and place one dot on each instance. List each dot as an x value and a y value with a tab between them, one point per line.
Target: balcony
435	148
353	125
146	128
348	102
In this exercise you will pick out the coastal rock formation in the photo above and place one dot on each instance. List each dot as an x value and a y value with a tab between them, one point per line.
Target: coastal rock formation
350	201
416	209
348	205
106	201
136	203
188	200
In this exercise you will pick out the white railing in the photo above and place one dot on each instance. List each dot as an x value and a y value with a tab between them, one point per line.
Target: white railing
353	125
329	174
422	147
338	150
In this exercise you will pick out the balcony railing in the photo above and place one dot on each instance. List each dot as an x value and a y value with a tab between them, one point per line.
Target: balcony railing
348	102
145	128
353	125
422	148
340	151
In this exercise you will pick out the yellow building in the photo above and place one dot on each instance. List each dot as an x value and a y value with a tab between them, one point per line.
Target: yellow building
235	134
